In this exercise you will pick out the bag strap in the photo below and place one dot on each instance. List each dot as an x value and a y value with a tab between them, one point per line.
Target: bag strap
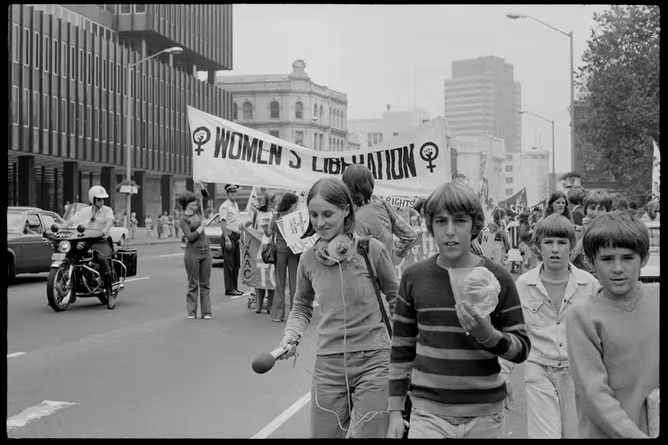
363	249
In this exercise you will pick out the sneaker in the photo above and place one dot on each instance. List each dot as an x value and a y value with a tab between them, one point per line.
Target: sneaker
191	317
207	317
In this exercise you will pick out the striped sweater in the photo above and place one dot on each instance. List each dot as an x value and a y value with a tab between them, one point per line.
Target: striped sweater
451	374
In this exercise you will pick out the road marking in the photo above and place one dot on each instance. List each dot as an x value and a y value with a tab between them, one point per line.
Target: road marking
46	408
171	254
15	354
136	279
283	417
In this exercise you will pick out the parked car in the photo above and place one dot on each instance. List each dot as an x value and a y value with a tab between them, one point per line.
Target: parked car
119	234
27	250
651	273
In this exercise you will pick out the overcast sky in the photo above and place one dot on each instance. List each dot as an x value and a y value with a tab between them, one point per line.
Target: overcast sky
401	54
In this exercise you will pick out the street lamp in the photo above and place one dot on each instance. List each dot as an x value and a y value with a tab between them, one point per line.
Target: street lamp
572	85
128	140
551	122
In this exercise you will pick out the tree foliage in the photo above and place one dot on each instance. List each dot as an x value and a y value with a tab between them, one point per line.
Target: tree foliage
620	80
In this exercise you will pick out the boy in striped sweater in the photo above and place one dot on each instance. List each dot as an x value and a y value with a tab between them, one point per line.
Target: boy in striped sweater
446	349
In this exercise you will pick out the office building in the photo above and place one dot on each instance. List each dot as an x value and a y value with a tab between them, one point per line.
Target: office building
483	98
69	97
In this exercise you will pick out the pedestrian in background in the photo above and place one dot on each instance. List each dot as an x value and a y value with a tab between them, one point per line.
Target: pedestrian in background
134	223
558	203
595	203
286	260
349	388
547	292
375	217
148	222
613	336
262	215
230	222
445	351
197	256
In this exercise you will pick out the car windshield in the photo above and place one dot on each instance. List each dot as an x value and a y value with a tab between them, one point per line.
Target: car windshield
14	221
72	209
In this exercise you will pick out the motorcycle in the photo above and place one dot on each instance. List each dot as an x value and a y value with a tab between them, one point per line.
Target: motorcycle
74	273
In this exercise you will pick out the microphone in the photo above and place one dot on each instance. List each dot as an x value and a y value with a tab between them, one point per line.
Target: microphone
264	362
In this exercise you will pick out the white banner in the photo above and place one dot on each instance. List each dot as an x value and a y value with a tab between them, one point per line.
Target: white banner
411	164
656	171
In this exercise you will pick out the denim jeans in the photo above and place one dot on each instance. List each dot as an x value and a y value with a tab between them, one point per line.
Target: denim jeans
286	261
368	374
425	425
259	298
198	268
550	402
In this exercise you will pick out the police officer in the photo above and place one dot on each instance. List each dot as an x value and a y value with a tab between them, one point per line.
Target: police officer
99	217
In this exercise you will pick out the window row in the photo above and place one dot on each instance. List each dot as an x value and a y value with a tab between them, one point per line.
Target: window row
274	112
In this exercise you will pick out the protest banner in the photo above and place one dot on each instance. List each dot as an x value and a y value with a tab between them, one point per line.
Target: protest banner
656	171
254	272
516	203
293	226
413	163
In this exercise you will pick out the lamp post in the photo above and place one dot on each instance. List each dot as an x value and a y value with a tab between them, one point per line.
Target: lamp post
572	85
128	139
553	154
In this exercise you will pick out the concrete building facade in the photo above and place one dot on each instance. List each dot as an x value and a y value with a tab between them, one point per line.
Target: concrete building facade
68	99
483	98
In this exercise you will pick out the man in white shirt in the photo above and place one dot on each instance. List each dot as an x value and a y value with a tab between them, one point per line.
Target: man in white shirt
99	217
230	222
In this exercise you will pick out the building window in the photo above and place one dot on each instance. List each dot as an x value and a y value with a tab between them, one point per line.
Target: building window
140	8
63	116
73	63
54	114
45	110
299	110
35	110
509	157
72	118
509	192
81	65
15	43
54	54
89	67
247	110
374	138
235	111
273	110
46	49
126	8
299	138
509	179
274	133
26	47
315	111
63	60
509	168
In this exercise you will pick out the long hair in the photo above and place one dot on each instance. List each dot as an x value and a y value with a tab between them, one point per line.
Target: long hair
335	192
287	200
360	182
553	197
267	198
186	198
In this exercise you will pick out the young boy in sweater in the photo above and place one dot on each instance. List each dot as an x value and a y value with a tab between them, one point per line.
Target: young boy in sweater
613	336
447	349
548	292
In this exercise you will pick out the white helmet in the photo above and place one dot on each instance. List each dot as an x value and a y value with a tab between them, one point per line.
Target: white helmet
96	191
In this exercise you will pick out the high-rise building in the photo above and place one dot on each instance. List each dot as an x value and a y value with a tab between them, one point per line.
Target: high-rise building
290	106
482	98
68	104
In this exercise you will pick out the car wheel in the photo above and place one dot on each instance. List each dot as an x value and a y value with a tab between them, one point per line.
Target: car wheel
121	242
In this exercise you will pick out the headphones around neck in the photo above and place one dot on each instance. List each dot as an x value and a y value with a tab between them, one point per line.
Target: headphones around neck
341	247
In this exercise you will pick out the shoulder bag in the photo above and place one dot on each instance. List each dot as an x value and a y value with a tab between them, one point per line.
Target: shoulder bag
268	250
363	249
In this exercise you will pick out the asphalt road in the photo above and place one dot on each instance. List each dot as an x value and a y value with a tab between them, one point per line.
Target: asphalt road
144	370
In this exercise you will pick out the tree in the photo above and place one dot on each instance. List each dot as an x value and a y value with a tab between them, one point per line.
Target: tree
620	79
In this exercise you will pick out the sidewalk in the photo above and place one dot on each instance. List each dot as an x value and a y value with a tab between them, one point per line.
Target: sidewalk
142	238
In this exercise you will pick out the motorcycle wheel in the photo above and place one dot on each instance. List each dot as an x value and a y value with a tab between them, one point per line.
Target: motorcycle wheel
58	288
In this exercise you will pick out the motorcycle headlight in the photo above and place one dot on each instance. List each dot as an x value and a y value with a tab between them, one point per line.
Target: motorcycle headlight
81	245
64	246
